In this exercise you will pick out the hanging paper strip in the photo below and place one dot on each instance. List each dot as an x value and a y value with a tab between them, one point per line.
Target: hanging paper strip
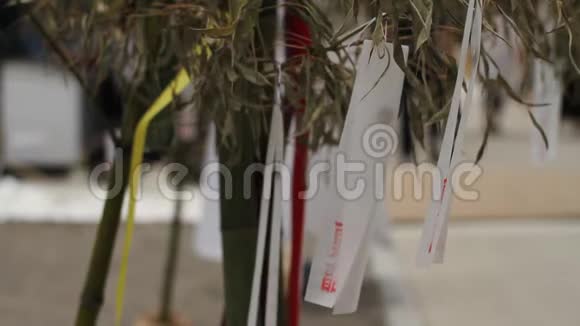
272	184
272	181
434	236
207	241
341	254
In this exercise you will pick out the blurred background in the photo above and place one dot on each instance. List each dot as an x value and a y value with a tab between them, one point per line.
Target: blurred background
512	255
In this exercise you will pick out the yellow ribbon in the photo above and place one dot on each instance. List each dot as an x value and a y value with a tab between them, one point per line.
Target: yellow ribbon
175	87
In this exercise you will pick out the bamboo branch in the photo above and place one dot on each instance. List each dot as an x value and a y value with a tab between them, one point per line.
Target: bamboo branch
168	282
71	66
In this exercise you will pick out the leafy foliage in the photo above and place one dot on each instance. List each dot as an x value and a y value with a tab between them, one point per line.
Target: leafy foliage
228	48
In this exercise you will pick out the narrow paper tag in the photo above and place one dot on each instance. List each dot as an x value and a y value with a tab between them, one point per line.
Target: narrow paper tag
274	154
340	257
271	181
433	239
274	258
208	238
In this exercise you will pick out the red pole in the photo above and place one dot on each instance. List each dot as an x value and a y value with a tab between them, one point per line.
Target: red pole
298	38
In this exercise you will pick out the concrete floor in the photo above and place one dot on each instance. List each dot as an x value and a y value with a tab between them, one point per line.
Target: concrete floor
500	273
42	268
497	273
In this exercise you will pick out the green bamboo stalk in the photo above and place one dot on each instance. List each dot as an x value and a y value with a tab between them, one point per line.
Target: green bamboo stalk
240	210
239	225
92	296
170	268
93	291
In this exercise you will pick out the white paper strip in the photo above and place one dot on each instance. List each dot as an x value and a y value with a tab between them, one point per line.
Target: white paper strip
341	253
274	258
274	153
433	239
272	183
208	238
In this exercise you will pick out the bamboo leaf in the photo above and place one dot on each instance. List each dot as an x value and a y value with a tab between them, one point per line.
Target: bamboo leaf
539	128
423	10
253	76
